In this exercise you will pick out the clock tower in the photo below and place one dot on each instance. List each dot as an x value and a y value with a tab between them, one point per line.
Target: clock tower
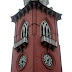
36	45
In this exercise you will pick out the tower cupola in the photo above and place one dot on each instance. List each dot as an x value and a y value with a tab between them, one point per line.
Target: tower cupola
44	2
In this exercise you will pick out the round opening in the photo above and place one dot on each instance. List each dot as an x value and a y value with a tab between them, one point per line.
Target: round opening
48	60
21	61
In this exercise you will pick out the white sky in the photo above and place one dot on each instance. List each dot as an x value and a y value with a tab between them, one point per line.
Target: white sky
10	7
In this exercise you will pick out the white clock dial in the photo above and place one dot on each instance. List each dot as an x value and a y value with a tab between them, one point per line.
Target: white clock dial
22	61
47	60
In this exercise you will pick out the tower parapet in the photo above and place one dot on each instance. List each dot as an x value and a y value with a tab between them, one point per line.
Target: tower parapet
37	5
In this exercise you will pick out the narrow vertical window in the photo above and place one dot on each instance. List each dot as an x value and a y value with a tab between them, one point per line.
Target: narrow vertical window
45	30
41	30
24	31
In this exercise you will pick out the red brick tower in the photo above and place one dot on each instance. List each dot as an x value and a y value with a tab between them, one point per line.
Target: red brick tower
36	45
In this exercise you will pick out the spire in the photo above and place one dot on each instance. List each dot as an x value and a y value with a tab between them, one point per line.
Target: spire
44	2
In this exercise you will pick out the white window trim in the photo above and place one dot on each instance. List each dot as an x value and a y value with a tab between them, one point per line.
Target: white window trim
45	25
23	29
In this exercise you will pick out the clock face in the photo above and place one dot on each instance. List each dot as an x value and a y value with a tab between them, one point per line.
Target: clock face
22	61
47	60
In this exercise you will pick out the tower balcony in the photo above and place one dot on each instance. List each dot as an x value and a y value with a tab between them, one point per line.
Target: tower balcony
50	43
22	42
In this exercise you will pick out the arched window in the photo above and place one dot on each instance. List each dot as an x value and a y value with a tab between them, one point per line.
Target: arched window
24	31
45	29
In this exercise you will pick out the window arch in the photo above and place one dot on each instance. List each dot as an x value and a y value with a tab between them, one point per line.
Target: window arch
45	29
24	31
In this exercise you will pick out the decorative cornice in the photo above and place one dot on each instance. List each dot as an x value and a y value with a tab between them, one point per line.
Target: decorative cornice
37	5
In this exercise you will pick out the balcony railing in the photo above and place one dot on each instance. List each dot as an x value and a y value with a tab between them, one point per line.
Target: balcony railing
49	41
20	42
